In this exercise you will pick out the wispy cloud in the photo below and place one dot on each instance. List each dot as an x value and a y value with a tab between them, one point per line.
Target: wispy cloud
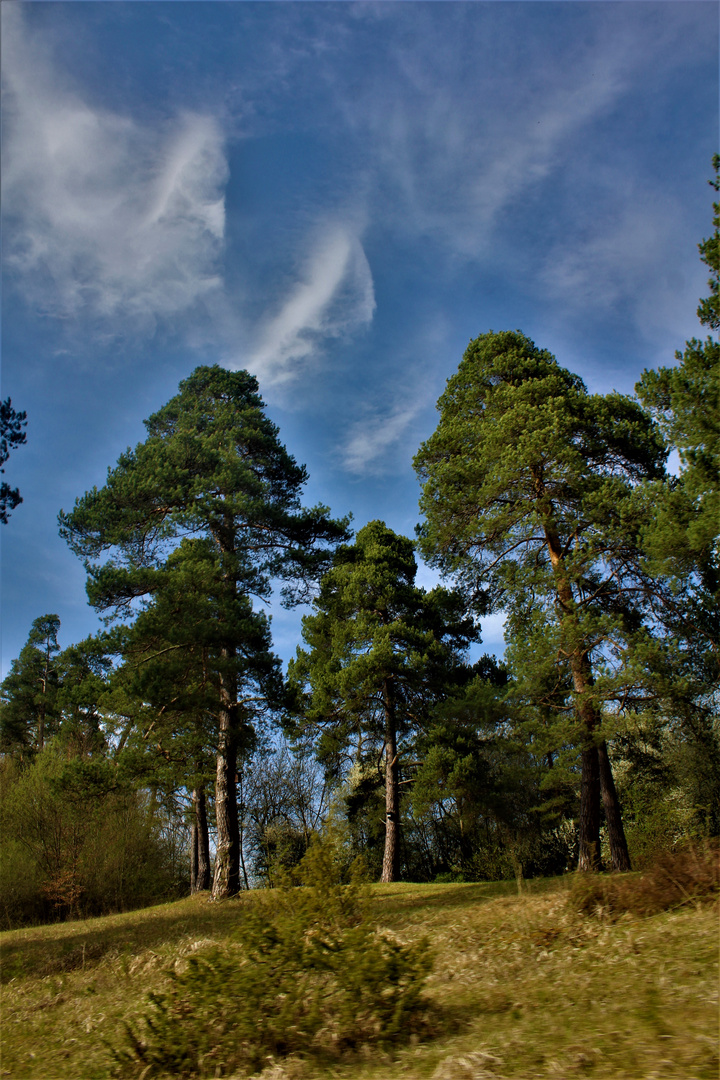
468	168
106	217
458	161
367	451
333	295
606	271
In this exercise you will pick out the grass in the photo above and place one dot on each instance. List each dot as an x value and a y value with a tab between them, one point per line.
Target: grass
525	987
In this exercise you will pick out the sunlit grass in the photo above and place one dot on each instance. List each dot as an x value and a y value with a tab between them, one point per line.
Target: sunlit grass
526	987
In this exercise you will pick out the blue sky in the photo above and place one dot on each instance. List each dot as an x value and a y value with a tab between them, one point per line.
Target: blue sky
337	196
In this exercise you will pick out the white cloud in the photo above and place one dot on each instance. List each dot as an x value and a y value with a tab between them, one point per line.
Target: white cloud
333	296
366	451
105	217
118	224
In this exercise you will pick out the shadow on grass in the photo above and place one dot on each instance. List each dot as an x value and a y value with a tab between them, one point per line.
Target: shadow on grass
61	947
404	897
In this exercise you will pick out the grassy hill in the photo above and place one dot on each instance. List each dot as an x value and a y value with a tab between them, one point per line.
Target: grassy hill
524	987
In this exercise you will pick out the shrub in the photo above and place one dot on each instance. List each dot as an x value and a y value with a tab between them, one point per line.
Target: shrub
77	842
688	874
307	974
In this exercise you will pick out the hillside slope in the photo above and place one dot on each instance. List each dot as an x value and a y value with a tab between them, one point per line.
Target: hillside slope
525	987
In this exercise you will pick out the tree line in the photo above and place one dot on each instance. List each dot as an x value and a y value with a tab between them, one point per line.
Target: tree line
596	737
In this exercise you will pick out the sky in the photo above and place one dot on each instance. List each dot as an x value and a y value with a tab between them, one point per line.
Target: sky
337	197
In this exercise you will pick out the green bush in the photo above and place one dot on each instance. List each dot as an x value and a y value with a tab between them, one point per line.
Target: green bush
78	843
307	974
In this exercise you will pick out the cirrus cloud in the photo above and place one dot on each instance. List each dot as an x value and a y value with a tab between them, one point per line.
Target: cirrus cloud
332	296
105	217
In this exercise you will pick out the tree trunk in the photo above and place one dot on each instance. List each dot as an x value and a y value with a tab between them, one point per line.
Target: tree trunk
391	856
227	855
589	823
242	812
202	841
193	845
619	854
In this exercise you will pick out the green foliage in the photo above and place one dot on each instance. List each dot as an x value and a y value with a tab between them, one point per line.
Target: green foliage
372	625
175	662
306	974
682	544
668	776
528	485
79	842
12	433
709	309
683	537
213	466
495	805
29	711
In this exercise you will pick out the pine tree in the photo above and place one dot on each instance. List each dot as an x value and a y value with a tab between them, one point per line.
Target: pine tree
212	467
380	652
29	710
528	495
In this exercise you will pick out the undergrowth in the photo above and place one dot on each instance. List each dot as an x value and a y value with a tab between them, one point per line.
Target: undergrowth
307	974
690	874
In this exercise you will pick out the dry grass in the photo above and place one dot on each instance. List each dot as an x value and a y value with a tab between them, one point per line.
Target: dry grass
687	876
527	988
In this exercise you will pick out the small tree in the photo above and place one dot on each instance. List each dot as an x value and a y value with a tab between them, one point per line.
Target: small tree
381	651
29	692
528	495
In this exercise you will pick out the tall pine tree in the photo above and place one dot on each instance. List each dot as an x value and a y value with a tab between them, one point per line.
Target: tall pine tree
211	467
528	485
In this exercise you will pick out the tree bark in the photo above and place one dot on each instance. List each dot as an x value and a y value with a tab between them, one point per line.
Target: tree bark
201	843
589	823
193	846
391	855
587	713
619	854
242	811
227	855
226	881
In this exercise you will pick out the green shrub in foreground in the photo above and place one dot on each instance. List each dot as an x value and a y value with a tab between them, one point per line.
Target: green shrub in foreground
308	973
